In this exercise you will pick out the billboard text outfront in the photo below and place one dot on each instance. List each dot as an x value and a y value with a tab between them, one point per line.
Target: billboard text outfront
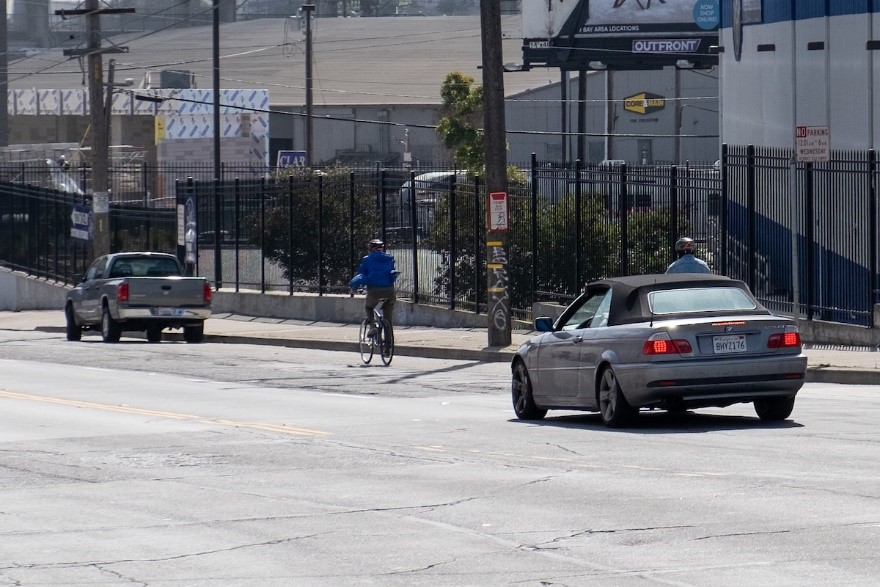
619	34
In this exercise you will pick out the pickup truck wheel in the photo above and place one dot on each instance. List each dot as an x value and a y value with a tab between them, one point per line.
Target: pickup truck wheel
73	330
154	334
194	334
110	329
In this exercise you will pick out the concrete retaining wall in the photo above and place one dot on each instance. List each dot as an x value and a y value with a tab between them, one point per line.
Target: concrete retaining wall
19	292
338	308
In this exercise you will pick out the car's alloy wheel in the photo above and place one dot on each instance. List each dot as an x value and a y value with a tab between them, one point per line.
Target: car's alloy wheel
110	329
521	392
774	408
616	411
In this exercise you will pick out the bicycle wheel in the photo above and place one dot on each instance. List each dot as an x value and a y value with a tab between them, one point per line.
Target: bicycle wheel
366	344
387	346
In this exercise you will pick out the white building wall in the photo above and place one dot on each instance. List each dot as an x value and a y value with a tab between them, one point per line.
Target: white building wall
849	82
874	85
766	94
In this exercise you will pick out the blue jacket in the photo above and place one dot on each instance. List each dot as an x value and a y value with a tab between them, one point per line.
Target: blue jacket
376	270
688	264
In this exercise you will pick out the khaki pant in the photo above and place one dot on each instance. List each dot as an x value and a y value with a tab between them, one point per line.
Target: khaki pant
374	294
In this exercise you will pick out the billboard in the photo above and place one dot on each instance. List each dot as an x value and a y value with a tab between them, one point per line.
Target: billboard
620	34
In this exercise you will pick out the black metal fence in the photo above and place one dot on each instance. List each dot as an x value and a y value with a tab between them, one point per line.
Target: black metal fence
792	231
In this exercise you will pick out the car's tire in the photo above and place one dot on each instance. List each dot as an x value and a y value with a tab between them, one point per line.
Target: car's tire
615	410
154	334
774	408
111	331
521	391
72	329
194	334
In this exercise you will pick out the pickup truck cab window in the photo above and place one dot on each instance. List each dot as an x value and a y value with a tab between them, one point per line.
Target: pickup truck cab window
96	271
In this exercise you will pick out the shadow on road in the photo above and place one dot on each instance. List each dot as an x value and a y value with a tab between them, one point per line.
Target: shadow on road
660	422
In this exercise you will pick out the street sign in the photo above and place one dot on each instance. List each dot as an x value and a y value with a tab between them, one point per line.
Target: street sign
498	216
812	143
291	159
81	223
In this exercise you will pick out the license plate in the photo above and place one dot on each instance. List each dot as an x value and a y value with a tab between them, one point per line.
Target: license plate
169	312
734	343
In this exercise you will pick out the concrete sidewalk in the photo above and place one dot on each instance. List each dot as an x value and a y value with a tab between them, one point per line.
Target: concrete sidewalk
827	364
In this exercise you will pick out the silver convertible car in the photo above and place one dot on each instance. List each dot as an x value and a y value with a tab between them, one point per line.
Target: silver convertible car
671	342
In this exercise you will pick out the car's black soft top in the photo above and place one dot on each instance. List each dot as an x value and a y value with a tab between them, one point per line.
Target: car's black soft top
629	302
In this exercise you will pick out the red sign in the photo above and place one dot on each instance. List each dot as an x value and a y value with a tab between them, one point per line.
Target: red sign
498	215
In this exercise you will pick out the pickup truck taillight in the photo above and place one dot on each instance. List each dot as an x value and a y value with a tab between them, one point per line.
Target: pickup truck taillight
122	292
207	292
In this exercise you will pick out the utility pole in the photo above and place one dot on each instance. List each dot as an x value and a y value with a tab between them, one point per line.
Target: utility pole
218	212
494	133
99	127
308	9
4	76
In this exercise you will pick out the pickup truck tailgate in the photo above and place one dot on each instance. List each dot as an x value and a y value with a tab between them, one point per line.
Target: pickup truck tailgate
166	291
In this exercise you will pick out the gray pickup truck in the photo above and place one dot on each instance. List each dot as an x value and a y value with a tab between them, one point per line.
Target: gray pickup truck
144	292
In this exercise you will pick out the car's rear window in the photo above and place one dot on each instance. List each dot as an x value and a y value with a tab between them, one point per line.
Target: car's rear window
704	299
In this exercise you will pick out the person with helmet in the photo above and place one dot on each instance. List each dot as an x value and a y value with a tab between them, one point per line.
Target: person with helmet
687	262
377	274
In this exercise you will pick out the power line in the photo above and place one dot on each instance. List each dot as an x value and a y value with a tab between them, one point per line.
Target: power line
139	94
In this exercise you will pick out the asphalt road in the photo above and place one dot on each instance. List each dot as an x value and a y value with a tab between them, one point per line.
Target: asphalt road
220	464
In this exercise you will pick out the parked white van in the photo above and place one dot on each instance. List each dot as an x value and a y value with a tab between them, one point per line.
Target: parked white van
429	186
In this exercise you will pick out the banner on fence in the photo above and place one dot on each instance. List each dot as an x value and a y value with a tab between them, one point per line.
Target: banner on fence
81	223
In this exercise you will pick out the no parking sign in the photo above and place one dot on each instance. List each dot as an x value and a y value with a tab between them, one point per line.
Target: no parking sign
498	214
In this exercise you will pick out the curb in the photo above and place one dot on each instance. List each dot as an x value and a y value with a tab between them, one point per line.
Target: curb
842	376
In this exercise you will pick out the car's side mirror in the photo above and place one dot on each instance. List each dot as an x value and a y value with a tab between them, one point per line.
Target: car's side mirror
544	324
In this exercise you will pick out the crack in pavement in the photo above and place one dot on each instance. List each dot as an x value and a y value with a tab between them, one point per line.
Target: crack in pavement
542	545
98	564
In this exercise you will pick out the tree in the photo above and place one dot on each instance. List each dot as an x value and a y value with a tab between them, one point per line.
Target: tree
460	128
321	214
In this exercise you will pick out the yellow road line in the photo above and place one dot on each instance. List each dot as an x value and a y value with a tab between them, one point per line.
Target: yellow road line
267	426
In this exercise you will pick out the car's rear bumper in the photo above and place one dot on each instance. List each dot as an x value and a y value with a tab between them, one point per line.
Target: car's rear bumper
711	382
168	314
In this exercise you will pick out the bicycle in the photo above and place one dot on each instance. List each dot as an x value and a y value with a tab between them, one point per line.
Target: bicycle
377	333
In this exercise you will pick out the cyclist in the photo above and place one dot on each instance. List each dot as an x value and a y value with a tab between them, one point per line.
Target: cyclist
377	273
685	249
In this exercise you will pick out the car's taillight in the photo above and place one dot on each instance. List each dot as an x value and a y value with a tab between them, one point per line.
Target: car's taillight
661	344
791	338
122	292
207	292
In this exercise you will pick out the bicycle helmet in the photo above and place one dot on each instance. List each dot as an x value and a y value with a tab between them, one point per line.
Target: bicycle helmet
685	245
377	245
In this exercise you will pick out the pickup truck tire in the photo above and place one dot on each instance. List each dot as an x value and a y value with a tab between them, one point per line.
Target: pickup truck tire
110	329
154	334
194	334
72	329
